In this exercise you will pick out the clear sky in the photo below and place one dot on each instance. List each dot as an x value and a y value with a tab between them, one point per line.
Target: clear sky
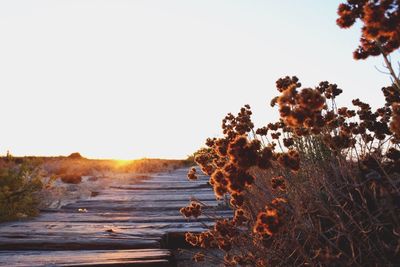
129	78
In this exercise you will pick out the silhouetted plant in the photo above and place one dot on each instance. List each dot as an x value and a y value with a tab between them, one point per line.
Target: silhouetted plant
321	186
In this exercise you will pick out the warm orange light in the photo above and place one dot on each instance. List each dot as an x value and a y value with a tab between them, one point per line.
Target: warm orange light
122	162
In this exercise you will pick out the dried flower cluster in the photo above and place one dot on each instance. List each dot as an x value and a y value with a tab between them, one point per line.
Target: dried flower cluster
312	131
222	236
270	220
395	124
321	185
228	160
380	32
194	209
278	183
192	174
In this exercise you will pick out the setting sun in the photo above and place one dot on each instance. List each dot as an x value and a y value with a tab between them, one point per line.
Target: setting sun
121	162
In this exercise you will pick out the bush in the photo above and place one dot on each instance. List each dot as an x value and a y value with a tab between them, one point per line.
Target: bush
317	187
321	186
19	186
75	155
71	178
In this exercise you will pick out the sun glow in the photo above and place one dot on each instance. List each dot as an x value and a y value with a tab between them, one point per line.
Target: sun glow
122	162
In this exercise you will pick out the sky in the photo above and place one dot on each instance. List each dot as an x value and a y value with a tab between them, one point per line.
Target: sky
130	79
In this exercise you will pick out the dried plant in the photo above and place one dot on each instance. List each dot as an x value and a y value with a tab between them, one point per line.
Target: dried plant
319	187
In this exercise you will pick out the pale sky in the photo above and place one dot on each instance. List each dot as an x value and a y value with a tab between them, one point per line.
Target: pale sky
129	78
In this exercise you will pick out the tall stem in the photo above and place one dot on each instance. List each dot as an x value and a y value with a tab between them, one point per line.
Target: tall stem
389	66
392	73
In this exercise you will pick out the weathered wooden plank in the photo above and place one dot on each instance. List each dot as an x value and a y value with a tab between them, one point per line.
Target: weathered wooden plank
117	217
177	186
100	230
75	243
137	257
127	197
159	206
167	193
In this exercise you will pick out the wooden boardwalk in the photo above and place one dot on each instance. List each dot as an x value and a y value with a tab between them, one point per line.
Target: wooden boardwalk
124	225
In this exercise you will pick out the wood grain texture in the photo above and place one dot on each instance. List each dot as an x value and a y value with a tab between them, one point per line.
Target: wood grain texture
124	224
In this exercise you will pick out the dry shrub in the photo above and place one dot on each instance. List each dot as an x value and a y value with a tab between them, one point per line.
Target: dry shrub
321	186
318	187
19	188
71	178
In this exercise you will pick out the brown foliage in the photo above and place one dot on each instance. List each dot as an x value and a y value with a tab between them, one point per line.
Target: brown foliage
328	196
380	32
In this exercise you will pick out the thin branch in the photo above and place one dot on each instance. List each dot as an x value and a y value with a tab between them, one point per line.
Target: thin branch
390	68
381	71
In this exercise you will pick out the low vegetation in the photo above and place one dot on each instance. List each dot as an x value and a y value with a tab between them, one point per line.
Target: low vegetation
19	187
26	181
73	166
319	187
